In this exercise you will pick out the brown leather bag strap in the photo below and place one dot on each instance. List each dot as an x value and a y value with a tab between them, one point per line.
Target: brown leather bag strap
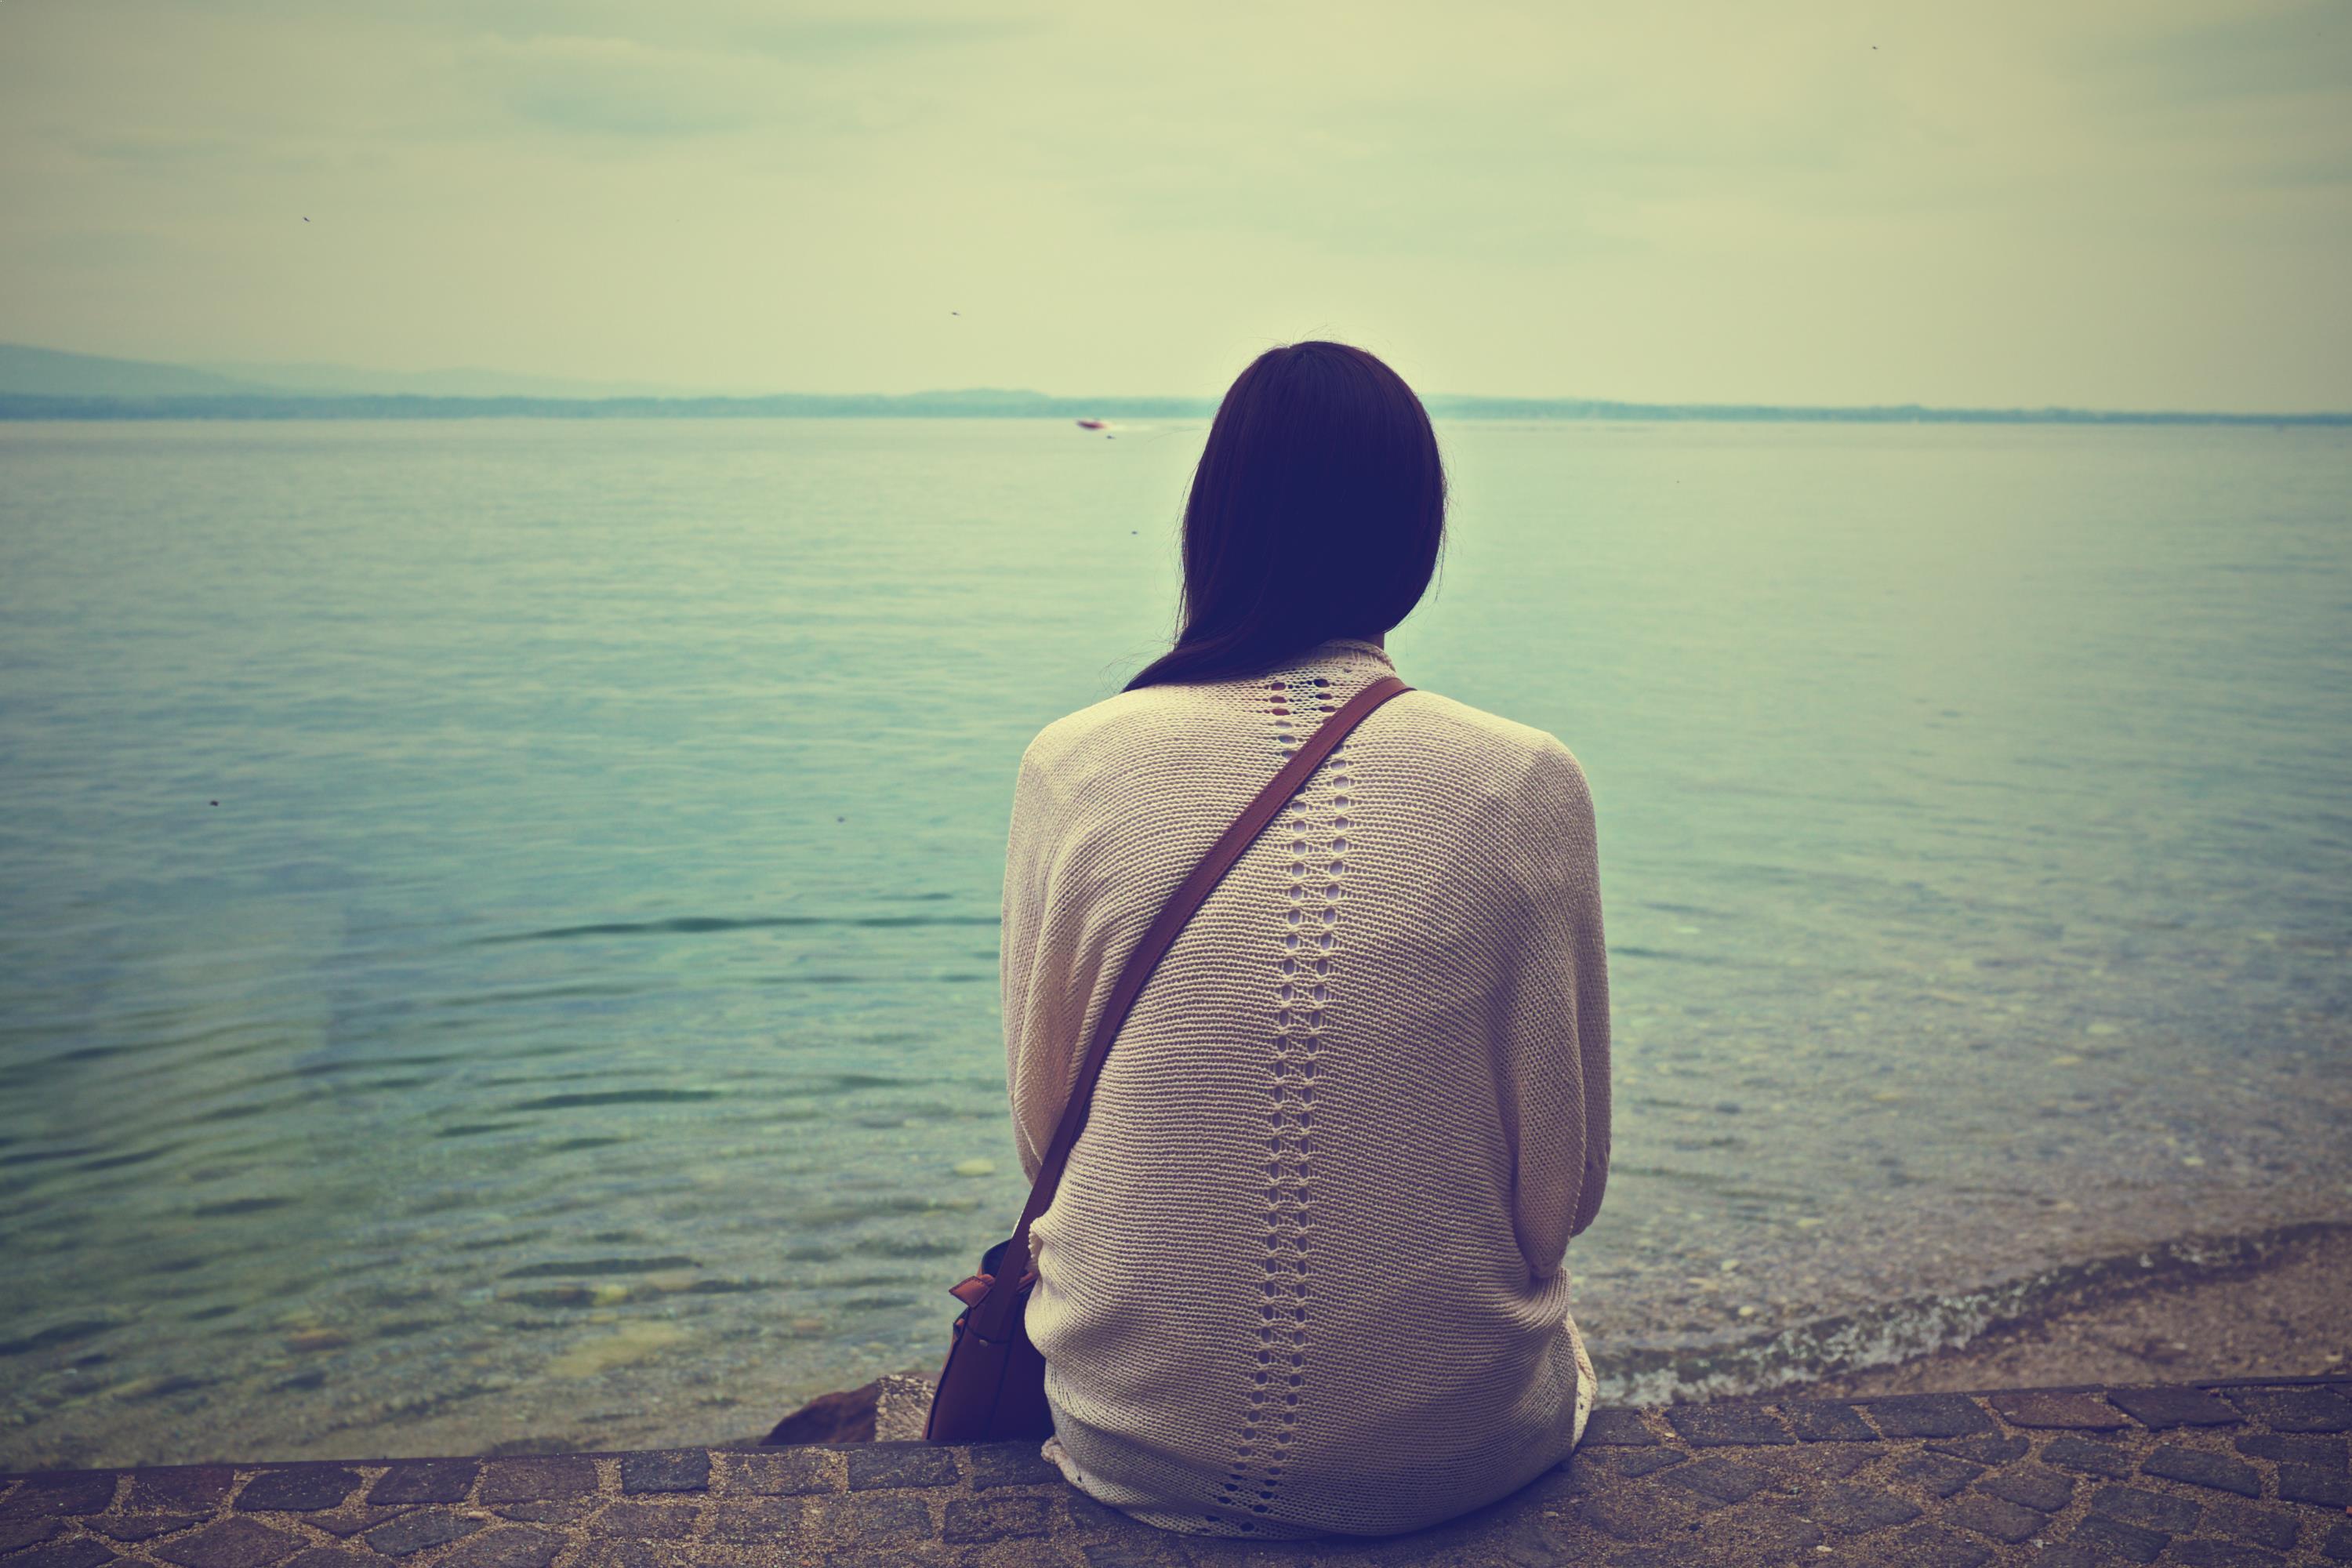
990	1314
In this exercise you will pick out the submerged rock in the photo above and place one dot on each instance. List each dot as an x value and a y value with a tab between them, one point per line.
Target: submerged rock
847	1416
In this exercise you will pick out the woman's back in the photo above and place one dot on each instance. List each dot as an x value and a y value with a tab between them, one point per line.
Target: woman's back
1304	1271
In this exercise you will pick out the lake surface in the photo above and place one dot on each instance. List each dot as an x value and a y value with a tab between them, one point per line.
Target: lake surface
497	919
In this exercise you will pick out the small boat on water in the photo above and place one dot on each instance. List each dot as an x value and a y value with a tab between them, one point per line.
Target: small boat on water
1092	424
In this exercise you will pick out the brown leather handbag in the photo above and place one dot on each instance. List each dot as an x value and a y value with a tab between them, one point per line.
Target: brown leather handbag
993	1388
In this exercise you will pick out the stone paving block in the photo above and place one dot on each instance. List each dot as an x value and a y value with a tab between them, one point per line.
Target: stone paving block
63	1492
1763	1532
2093	1458
2062	1554
2274	1528
2162	1407
1721	1426
506	1546
1616	1430
350	1519
1939	1475
18	1533
2031	1486
534	1480
1996	1517
1929	1546
751	1520
1720	1479
2223	1554
994	1518
646	1521
2307	1483
331	1557
2075	1412
2149	1511
904	1515
1628	1515
1859	1510
1131	1554
233	1542
1018	1553
83	1553
1832	1462
2199	1467
851	1556
537	1477
1640	1461
2338	1547
183	1488
420	1530
304	1489
787	1472
435	1480
2295	1409
1011	1465
1984	1451
901	1464
673	1470
1929	1416
2129	1542
1826	1421
2325	1453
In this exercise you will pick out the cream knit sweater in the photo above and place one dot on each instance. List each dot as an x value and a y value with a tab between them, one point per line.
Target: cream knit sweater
1305	1272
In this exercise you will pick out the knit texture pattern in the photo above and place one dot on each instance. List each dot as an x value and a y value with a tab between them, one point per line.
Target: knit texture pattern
1305	1273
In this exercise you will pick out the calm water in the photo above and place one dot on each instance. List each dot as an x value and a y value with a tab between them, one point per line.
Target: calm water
576	1021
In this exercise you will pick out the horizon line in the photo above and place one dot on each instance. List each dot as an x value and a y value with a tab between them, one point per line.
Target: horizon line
235	397
263	403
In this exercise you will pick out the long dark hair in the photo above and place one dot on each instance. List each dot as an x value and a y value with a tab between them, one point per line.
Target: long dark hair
1318	512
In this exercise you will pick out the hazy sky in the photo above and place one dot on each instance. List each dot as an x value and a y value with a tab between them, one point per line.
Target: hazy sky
2143	205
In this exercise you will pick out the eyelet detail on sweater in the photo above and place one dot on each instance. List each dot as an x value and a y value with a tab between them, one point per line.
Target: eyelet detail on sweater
1313	854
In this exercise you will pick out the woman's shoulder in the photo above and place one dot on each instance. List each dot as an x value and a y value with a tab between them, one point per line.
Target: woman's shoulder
1518	774
1490	736
1452	734
1116	721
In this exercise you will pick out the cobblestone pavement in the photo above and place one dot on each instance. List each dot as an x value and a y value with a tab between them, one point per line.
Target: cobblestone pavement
2215	1476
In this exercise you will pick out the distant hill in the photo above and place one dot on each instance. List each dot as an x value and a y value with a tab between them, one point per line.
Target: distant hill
334	380
45	383
46	372
266	403
32	371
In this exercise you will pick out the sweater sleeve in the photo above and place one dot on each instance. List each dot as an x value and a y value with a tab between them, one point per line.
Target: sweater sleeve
1552	1030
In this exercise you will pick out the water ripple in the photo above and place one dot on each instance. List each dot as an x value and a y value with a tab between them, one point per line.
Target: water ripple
698	925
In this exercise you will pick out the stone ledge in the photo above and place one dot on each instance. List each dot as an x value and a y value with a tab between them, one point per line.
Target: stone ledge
2238	1473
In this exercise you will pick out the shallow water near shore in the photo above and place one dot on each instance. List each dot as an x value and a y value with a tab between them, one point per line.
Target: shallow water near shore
576	1023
